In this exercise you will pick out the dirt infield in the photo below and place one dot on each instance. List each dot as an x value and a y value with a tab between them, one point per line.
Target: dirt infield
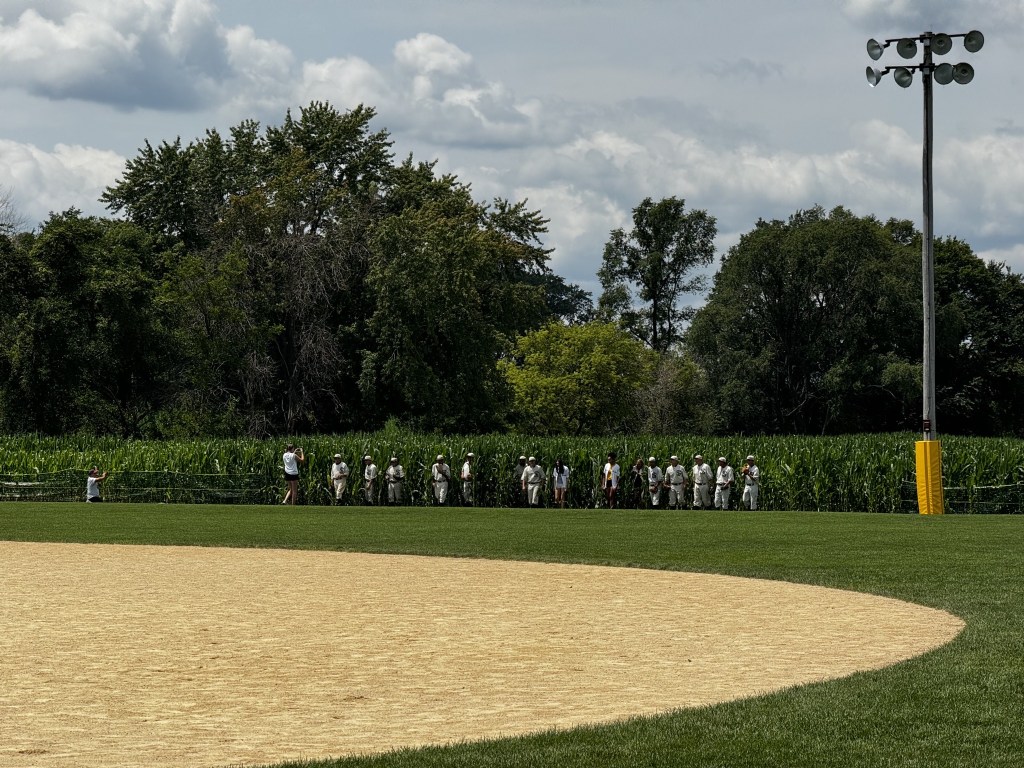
185	656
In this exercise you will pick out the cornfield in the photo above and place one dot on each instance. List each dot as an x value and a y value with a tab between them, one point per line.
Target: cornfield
873	473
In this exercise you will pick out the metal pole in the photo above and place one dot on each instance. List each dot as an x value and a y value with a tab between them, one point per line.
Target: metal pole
927	253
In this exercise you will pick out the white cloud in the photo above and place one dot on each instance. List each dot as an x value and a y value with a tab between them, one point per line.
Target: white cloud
68	176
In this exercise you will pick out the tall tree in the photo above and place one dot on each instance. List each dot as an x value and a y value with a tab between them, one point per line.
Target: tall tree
581	379
646	272
810	327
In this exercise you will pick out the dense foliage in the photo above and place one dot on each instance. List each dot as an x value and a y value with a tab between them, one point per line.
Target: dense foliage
858	473
296	279
813	325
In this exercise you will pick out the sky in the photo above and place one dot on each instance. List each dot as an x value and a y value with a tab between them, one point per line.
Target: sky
747	109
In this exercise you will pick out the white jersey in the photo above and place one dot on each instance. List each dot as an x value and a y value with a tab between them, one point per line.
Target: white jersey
467	471
654	476
675	475
370	473
702	474
339	470
533	475
394	473
725	476
753	475
441	473
291	463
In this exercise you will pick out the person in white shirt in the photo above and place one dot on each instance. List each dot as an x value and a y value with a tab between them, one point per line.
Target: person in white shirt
703	477
369	479
751	483
560	482
92	485
467	480
533	481
292	458
441	476
610	479
394	475
723	483
339	477
654	479
675	481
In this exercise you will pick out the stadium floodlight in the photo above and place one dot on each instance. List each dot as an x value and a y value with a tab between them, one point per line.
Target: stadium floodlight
875	75
942	44
963	73
907	47
973	41
929	458
903	77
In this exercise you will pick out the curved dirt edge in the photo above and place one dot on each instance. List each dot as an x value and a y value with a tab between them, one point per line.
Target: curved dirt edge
116	655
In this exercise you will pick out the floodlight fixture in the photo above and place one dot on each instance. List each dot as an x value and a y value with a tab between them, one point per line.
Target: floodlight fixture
875	49
944	74
963	73
875	75
942	44
907	47
903	76
973	41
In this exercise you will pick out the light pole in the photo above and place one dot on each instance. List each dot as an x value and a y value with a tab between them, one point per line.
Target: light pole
929	455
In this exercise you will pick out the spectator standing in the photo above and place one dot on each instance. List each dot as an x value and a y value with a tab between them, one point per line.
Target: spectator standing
518	495
533	482
441	477
636	484
703	477
560	482
654	479
92	485
339	477
394	475
724	479
467	478
675	481
610	477
369	479
751	483
292	458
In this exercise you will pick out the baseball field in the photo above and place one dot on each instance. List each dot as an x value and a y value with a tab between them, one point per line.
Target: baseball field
212	635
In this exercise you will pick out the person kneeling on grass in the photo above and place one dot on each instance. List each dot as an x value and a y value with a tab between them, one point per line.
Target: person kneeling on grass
92	485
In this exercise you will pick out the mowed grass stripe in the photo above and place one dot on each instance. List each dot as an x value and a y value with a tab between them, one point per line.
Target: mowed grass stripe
960	705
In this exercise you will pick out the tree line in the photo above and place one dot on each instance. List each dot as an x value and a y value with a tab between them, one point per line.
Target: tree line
298	278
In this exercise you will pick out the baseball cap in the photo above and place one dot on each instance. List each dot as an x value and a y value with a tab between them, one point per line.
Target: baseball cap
470	455
532	459
394	458
367	457
750	458
337	455
522	458
651	459
721	458
440	457
673	458
698	456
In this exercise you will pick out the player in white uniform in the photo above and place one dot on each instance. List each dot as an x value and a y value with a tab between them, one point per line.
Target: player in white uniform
675	481
751	483
339	477
724	480
654	479
703	477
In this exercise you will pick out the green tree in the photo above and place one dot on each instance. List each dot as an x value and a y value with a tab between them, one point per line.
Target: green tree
581	379
808	327
654	265
84	345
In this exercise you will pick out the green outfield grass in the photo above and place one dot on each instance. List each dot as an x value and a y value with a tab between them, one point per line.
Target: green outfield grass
961	705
